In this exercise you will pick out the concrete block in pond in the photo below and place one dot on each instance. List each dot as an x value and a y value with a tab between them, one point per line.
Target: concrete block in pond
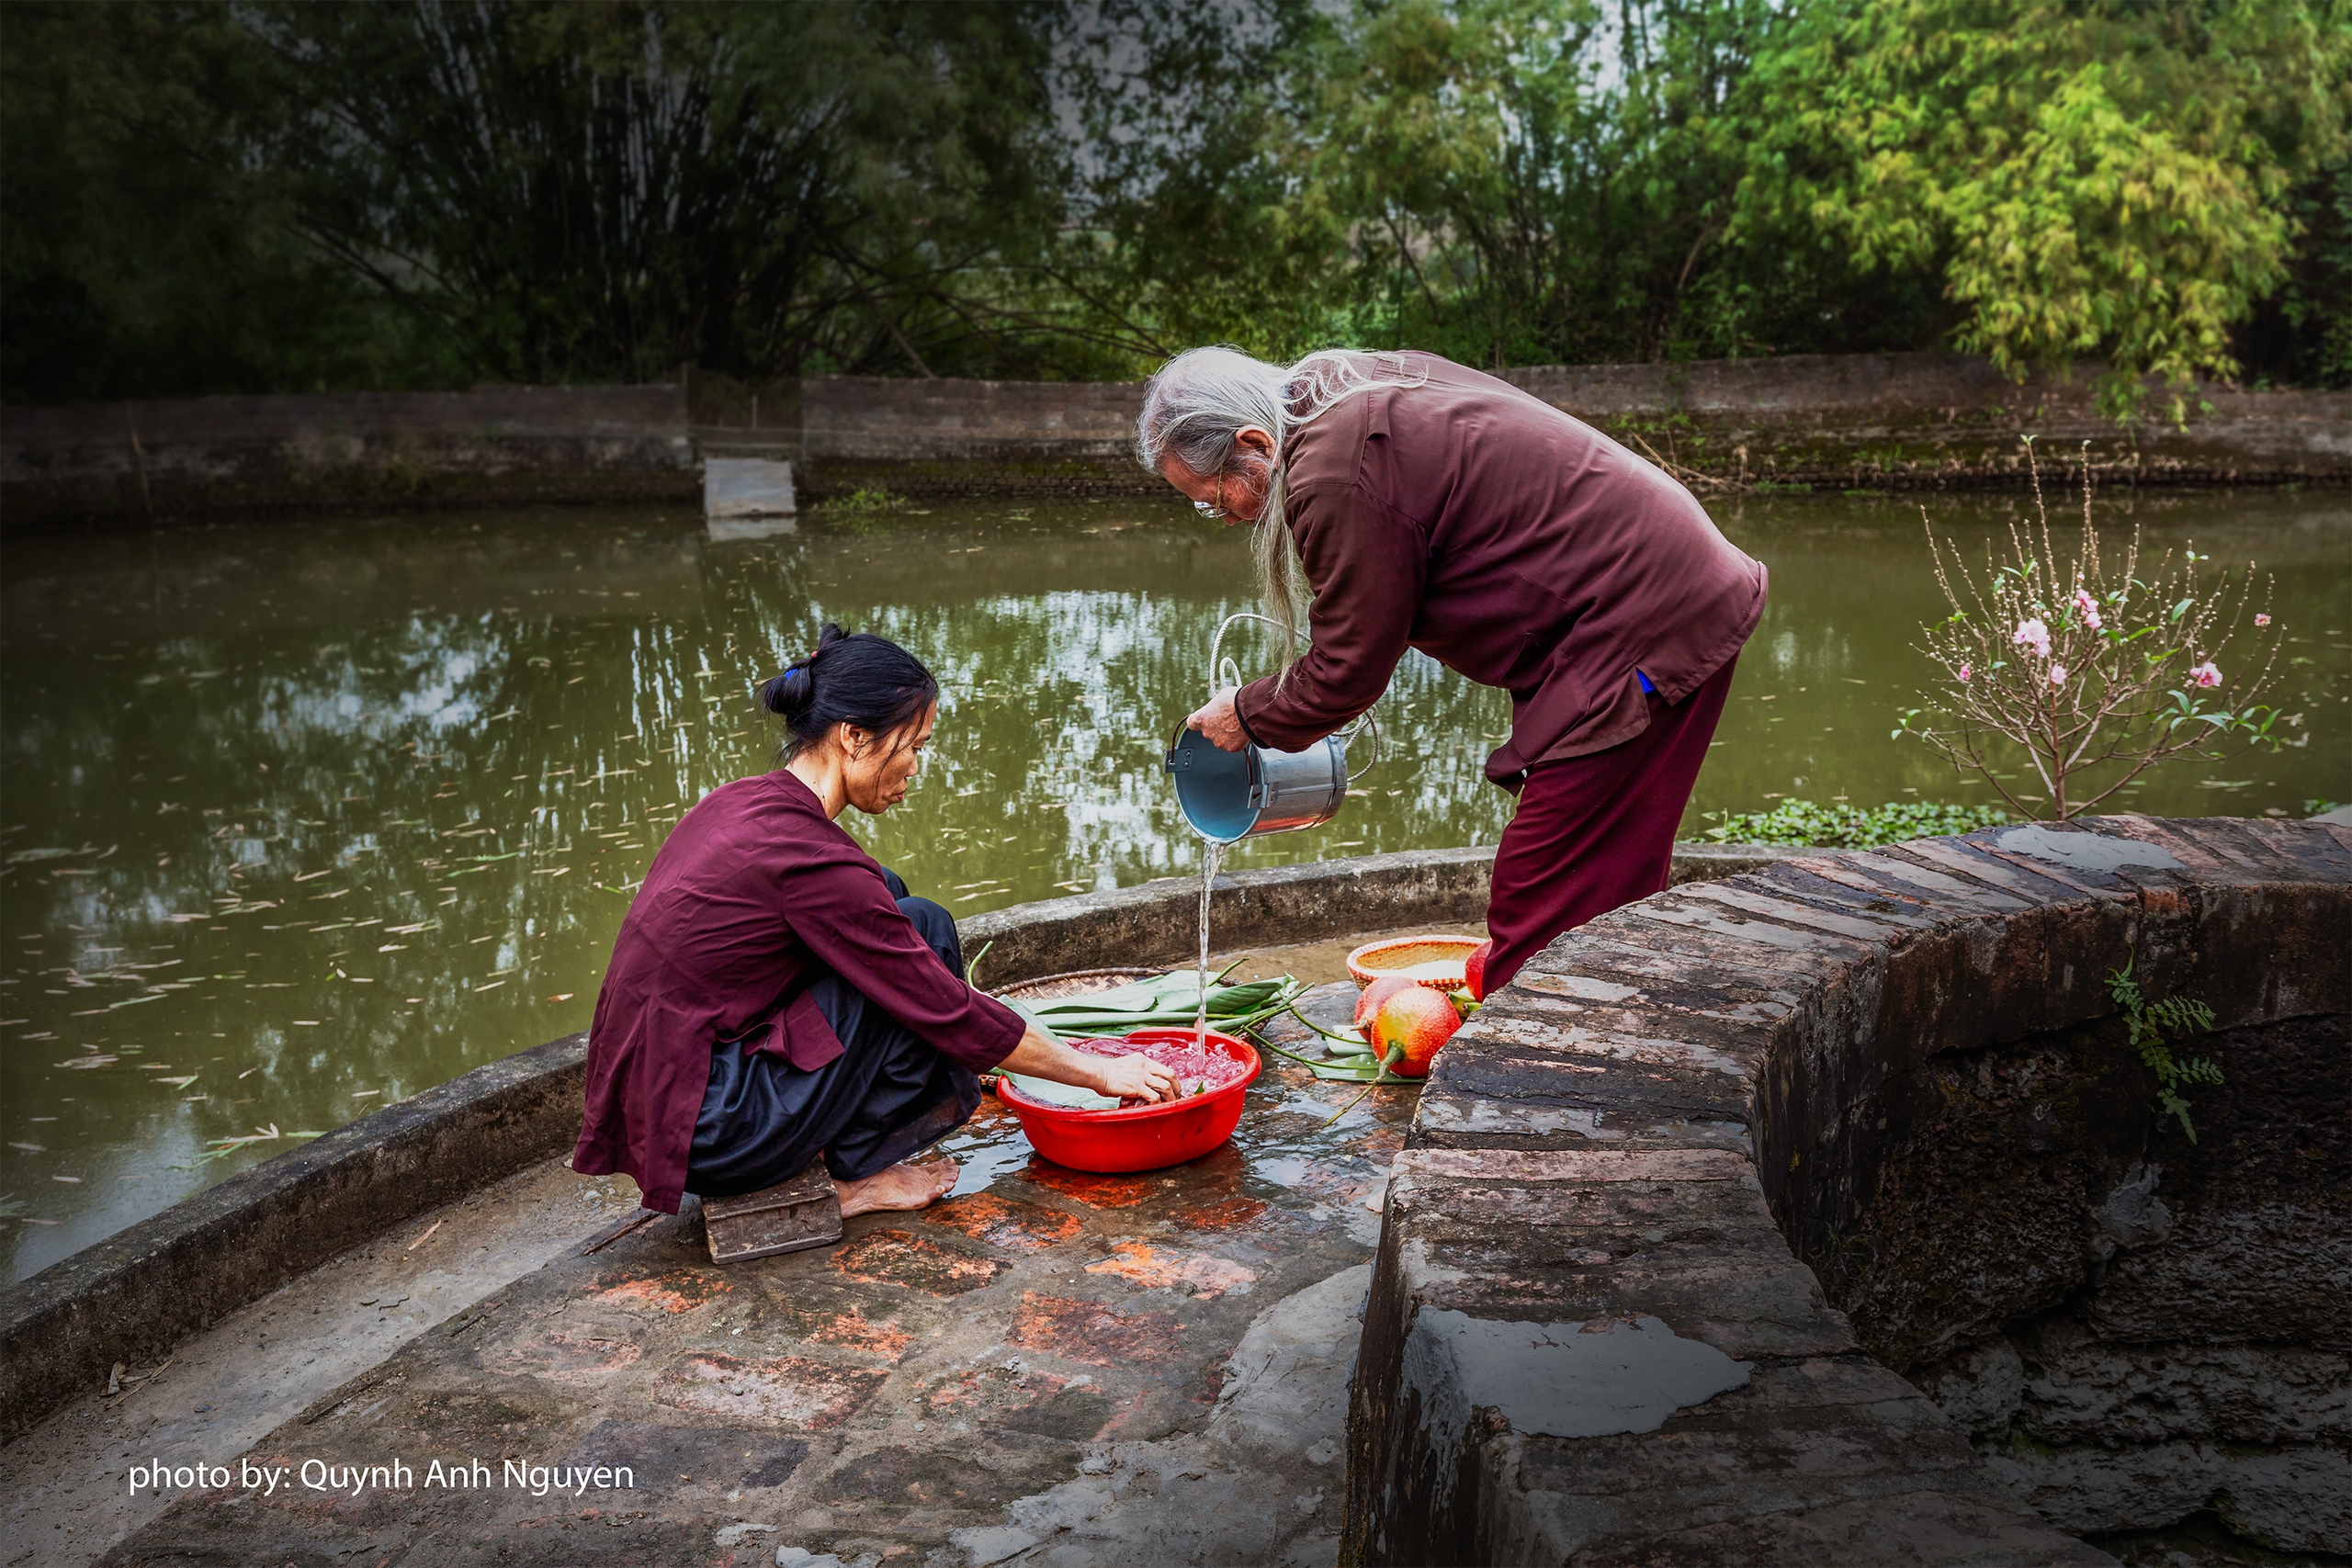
735	487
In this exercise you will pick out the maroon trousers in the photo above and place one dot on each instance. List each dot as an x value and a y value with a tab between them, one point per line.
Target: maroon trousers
1596	833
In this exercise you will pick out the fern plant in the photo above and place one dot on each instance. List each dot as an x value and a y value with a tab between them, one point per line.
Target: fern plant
2179	1017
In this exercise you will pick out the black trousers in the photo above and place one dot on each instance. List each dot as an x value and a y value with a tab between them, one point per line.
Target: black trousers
888	1095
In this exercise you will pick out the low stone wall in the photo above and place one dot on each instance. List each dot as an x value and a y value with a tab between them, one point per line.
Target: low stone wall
1594	1334
1158	922
1894	420
1939	420
131	1297
491	445
1899	421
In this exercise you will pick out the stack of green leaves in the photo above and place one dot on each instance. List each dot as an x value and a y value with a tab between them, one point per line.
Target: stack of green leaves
1159	1001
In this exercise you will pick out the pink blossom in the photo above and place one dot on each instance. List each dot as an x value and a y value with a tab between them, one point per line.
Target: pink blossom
2262	620
2205	674
2087	607
1963	674
2035	636
2057	674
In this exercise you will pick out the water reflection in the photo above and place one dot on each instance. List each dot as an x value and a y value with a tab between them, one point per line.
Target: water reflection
302	819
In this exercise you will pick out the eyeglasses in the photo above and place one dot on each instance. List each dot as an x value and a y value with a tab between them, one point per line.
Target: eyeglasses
1214	511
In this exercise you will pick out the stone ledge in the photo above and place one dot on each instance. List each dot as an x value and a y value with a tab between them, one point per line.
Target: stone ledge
1157	922
1773	1017
138	1293
1812	1443
488	446
134	1295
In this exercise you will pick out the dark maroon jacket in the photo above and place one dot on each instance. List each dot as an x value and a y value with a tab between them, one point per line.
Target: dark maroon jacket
753	890
1509	541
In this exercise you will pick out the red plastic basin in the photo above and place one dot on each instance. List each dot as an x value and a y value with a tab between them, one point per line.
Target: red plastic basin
1148	1136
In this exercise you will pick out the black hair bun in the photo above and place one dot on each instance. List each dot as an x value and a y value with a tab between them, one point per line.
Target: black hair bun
860	679
790	693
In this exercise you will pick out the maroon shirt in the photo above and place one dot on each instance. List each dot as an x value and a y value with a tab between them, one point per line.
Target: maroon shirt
755	890
1509	541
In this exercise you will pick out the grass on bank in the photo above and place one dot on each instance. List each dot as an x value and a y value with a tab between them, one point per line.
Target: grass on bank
1804	825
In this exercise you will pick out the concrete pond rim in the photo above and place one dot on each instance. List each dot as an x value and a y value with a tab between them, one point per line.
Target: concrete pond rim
1662	1135
131	1296
1900	1074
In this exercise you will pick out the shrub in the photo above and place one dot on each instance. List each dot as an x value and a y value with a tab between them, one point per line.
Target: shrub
2095	676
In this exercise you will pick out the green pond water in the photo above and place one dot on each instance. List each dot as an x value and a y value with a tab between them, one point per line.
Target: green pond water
302	817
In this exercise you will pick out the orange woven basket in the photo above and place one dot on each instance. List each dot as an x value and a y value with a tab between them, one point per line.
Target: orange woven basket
1438	962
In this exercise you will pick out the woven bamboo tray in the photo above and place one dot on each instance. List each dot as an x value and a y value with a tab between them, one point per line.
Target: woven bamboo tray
1073	983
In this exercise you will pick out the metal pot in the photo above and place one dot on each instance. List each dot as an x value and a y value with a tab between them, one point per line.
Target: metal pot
1229	796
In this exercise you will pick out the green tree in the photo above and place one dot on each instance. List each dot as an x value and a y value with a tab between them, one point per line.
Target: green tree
2089	177
144	250
209	197
2316	305
609	191
1522	181
206	197
1173	232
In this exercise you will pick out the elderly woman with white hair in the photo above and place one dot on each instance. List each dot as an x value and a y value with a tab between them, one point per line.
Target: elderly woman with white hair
1430	506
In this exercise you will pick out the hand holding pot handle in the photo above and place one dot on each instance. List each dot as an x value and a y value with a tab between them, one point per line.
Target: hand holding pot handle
1219	723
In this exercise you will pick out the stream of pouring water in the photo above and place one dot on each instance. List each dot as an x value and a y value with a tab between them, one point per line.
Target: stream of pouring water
1212	857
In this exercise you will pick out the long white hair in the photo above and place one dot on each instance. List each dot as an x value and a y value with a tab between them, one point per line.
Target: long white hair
1204	397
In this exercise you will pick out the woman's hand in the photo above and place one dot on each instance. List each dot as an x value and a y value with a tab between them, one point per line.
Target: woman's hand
1134	1077
1124	1078
1219	724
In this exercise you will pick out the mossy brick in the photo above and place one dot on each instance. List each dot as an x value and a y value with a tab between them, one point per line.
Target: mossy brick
1809	902
1490	1060
2085	881
1633	1027
1682	1234
1451	1119
1872	890
1908	877
2208	850
1802	949
2316	852
1980	864
1591	964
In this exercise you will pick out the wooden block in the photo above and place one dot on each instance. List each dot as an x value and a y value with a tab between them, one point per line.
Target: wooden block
803	1211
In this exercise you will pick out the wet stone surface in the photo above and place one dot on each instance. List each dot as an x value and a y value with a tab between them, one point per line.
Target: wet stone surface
887	1399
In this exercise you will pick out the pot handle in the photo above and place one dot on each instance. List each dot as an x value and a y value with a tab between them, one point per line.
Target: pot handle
1364	723
1224	673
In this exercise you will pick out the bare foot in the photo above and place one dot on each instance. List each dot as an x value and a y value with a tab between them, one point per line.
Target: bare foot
900	1187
